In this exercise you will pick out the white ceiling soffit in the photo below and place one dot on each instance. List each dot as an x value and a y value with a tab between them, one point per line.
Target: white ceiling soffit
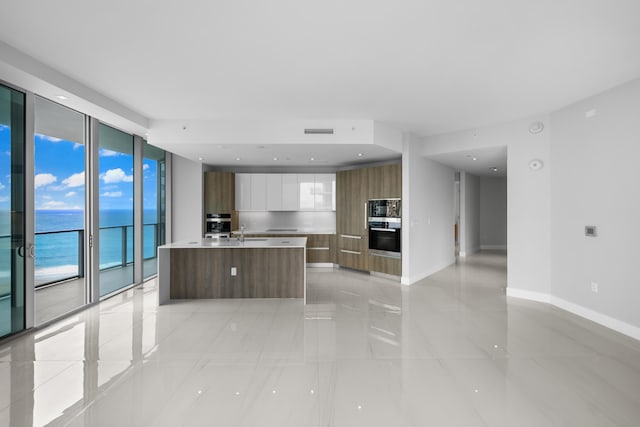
430	67
30	74
282	156
290	142
480	161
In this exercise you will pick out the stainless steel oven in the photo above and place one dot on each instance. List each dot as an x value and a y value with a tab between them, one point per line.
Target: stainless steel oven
384	236
218	223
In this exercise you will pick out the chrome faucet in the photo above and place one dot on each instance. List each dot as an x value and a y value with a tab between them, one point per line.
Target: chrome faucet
242	232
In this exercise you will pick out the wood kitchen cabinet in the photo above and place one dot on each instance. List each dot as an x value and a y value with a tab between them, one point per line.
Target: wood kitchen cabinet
385	182
321	248
351	218
219	192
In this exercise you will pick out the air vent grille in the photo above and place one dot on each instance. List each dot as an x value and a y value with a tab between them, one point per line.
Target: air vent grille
318	131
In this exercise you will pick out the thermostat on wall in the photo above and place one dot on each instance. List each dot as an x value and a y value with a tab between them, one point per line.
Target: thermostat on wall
590	231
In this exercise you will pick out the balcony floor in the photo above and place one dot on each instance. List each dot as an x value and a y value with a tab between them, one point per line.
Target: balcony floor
56	300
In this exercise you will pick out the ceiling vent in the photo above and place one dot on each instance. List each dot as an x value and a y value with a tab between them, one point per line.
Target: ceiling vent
318	131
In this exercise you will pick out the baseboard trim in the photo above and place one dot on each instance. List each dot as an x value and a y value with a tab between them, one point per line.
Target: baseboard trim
409	280
320	264
493	247
529	295
599	318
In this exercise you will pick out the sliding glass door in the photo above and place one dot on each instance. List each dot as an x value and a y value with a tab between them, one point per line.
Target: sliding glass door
12	211
153	192
115	188
59	185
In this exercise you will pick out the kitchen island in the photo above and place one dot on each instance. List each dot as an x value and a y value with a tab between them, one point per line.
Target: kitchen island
230	268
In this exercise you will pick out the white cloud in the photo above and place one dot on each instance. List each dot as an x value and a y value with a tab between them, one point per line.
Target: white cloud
70	194
77	145
2	186
43	179
49	138
113	176
108	153
56	205
75	180
145	167
112	194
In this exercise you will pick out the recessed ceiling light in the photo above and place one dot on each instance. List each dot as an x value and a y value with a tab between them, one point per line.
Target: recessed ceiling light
62	97
493	169
237	158
275	158
360	154
201	158
474	158
312	159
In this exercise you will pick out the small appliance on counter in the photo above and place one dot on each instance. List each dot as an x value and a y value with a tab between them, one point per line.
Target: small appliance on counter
385	225
218	225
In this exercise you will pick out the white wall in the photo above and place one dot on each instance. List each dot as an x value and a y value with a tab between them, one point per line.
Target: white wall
469	214
428	214
528	196
493	212
595	181
186	190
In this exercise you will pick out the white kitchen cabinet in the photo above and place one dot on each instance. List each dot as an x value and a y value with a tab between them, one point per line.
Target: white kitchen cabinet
285	192
289	192
306	192
258	192
274	192
243	191
325	195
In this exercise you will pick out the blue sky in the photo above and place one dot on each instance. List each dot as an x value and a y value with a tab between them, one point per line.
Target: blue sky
59	176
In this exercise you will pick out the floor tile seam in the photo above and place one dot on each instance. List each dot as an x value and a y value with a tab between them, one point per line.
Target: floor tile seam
461	387
568	390
34	388
585	391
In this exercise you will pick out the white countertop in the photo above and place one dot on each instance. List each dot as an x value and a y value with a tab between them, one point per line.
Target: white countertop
249	242
286	231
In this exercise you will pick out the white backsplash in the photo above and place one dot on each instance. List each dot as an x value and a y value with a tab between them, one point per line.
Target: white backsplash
314	221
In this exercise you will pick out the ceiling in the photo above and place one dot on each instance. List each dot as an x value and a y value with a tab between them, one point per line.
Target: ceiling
424	66
480	161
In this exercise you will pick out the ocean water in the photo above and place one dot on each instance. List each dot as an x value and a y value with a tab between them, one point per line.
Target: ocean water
58	252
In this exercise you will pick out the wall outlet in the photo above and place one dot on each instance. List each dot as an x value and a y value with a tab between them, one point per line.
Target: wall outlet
594	287
234	271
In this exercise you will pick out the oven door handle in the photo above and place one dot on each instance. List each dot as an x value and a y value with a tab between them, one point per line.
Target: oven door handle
390	230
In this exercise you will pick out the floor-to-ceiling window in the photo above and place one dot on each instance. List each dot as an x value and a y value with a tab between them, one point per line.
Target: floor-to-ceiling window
153	191
115	169
12	211
59	197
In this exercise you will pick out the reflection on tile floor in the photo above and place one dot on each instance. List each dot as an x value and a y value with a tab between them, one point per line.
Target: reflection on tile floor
451	350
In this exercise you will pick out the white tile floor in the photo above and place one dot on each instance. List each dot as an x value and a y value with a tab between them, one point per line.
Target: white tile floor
451	350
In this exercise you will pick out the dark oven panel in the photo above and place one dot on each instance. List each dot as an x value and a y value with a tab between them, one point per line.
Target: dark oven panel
384	237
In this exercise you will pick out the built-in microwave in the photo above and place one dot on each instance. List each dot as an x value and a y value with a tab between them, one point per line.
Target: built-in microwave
218	223
385	208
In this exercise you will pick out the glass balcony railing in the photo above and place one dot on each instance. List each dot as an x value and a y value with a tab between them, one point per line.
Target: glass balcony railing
60	254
